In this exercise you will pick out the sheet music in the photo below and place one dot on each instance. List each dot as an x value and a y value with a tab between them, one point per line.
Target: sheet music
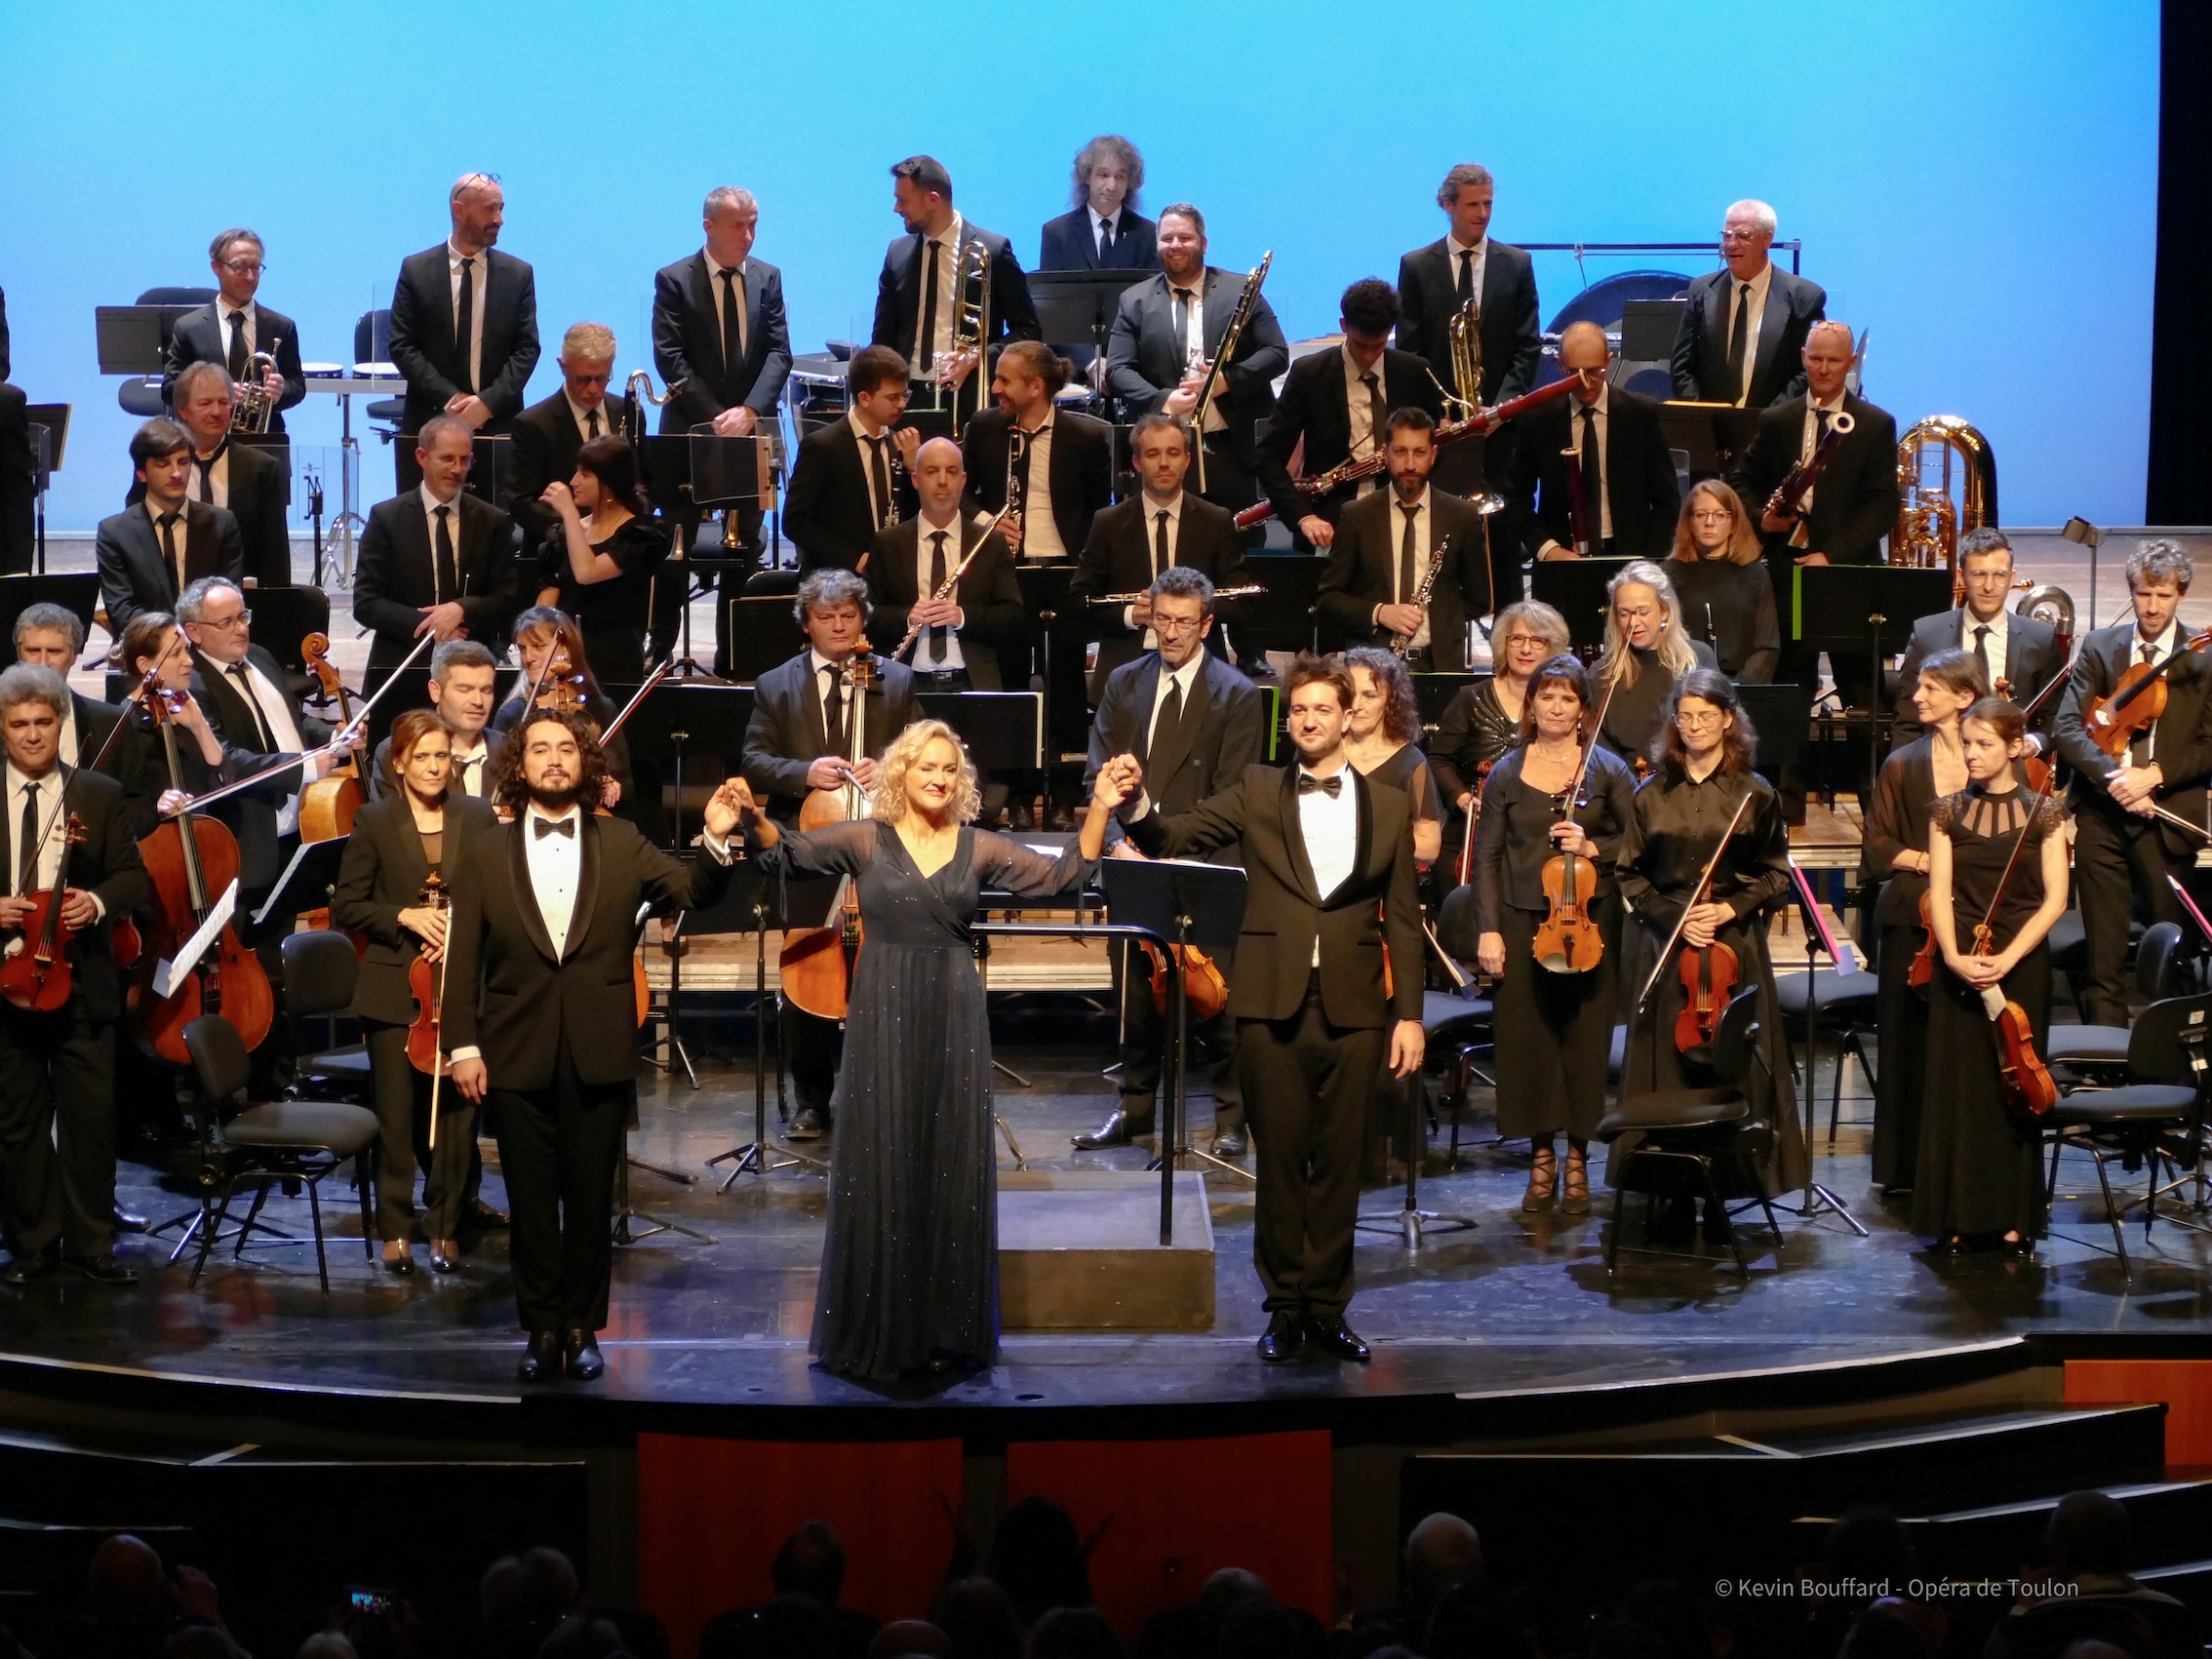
167	974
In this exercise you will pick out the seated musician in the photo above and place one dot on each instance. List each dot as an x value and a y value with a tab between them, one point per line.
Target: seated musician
227	472
1380	558
151	552
1104	232
555	669
799	740
1614	496
548	433
462	691
436	559
602	559
1727	598
2019	655
58	1069
152	642
962	634
51	636
855	477
1195	723
1168	330
233	326
1337	405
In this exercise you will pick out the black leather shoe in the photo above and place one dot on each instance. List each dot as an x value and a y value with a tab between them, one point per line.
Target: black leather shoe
30	1268
541	1360
1233	1142
126	1222
482	1214
1332	1337
1119	1129
1285	1337
1061	819
440	1262
807	1126
579	1352
105	1268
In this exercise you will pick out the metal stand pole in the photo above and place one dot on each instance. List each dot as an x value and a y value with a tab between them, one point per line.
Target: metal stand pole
1411	1221
761	1155
1178	1133
1816	1198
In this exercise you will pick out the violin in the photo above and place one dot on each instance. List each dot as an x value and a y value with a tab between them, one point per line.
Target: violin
816	963
1466	871
428	987
1568	939
1709	978
1205	993
38	976
1922	972
2024	1081
328	805
2135	703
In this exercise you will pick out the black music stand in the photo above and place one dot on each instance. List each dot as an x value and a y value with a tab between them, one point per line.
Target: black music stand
1044	596
736	475
1004	731
762	631
1777	713
1283	618
78	594
1433	693
307	884
1840	607
133	339
284	618
1576	589
1712	434
749	899
50	441
1818	938
625	1211
1077	308
490	468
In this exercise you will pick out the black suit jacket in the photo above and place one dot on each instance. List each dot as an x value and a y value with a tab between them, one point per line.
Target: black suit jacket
1701	339
1640	475
786	734
2180	738
1372	910
1118	559
252	814
198	337
988	595
94	722
1222	732
257	490
1081	479
2031	662
105	864
1142	366
686	342
381	874
898	291
1362	564
422	336
1316	406
510	997
397	574
1067	244
543	444
1855	502
19	484
825	509
1513	341
134	577
382	780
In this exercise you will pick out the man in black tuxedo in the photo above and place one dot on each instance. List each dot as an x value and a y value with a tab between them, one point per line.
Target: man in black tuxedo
1339	404
1384	546
548	434
149	553
541	1015
1194	723
1630	495
1134	542
799	739
464	689
435	560
854	476
1332	889
231	328
2021	651
51	636
1166	331
961	637
1742	335
464	323
720	338
1104	232
243	479
2122	855
58	1069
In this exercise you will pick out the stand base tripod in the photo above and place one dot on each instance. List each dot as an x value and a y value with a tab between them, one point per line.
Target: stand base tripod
625	1213
1411	1221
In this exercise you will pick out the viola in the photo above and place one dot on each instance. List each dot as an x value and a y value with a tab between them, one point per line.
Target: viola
2136	702
2022	1080
1205	993
38	976
326	806
1709	980
816	963
427	986
1568	939
1922	972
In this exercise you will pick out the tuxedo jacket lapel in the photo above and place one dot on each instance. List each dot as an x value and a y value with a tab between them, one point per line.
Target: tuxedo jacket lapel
526	894
1294	835
587	884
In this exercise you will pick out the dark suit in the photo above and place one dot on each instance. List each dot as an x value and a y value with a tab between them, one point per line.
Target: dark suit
1068	244
134	577
58	1070
1144	367
1310	1040
988	595
1701	339
2117	854
1079	480
253	813
544	442
1117	558
19	486
94	722
434	364
687	344
826	510
382	780
2030	661
1363	568
1513	348
200	336
397	574
559	1041
899	293
1639	476
1316	407
256	490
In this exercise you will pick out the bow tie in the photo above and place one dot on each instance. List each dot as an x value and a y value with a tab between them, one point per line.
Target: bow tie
543	827
1309	784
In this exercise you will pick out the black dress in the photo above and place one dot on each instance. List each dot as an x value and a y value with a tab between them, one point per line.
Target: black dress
910	1267
613	615
1553	1029
1899	824
1731	608
1632	717
1979	1171
1671	833
1474	732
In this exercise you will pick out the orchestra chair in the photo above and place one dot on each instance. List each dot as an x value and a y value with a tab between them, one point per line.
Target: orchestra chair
1845	1006
373	343
1705	1132
319	977
284	616
140	395
2101	1050
1460	1024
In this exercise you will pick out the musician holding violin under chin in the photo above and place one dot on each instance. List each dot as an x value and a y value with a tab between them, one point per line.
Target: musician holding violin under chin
58	1067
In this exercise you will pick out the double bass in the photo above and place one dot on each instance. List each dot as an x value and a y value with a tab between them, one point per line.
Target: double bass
816	963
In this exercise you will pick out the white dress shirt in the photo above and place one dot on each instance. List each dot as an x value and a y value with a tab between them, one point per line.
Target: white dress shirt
217	473
867	444
1601	412
1215	420
926	659
69	735
584	418
430	506
744	270
49	821
556	867
1481	251
469	766
948	290
1760	286
1999	641
1366	439
821	668
282	726
1331	828
225	329
1809	440
1424	529
1040	530
1152	511
1187	678
481	259
2163	647
1100	226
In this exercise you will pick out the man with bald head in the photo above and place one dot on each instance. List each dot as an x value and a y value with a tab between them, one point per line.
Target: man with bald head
1619	498
1741	334
963	633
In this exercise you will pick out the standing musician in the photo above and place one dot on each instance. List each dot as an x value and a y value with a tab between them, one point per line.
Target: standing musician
149	553
2023	652
399	841
58	1069
962	635
1166	334
1727	598
548	434
1979	1180
51	636
1381	738
1384	545
720	338
1647	652
539	1015
464	322
234	327
435	559
1104	232
1337	405
798	741
2123	852
1483	719
463	680
1059	470
1740	336
1194	723
855	476
1618	499
919	298
1332	885
19	482
245	482
602	558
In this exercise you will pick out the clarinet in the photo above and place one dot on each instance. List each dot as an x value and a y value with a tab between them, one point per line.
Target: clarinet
1401	644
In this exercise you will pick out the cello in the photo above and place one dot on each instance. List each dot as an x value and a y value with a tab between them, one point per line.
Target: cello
816	963
1567	940
328	805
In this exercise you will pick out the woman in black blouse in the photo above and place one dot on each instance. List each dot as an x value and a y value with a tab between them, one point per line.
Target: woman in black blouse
1553	1025
1483	720
1647	652
600	559
1721	577
1379	740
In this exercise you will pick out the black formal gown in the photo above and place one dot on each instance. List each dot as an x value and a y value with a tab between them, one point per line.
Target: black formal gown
910	1268
1731	608
1903	798
613	613
1979	1171
1633	715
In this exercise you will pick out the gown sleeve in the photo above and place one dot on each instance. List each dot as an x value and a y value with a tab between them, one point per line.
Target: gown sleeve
1614	785
1657	910
1004	863
1490	852
1887	834
837	849
1767	862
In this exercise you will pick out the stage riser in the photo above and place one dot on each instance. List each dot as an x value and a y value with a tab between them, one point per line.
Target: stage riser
2171	1525
1080	1250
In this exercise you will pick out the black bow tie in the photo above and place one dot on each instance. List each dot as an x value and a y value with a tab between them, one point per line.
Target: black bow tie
1309	784
543	827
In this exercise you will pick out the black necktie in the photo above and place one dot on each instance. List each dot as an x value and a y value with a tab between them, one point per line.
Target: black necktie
26	841
1593	477
1164	723
1408	579
1159	553
237	345
464	327
939	633
1183	324
733	325
879	471
1017	486
925	349
1982	654
471	774
1466	275
1333	787
1105	238
2139	749
554	826
591	423
206	464
448	577
1739	328
833	711
1378	418
239	673
169	555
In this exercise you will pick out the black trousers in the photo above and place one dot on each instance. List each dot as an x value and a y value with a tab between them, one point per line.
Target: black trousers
58	1084
2118	860
1305	1084
402	1097
1144	1031
559	1148
811	1045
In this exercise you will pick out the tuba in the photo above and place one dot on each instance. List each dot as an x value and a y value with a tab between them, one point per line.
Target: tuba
1946	485
252	412
2055	606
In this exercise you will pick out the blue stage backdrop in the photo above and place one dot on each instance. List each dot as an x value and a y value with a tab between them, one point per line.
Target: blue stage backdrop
1973	179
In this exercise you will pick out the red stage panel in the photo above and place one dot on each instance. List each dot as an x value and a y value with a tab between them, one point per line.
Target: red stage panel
2184	1386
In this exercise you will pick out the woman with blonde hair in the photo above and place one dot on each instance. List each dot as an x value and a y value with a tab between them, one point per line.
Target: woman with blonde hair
909	1281
1647	652
1726	596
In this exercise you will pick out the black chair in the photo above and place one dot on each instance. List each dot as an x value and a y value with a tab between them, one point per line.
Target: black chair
320	972
1460	1025
140	395
373	343
2102	1049
283	617
1706	1133
1845	1006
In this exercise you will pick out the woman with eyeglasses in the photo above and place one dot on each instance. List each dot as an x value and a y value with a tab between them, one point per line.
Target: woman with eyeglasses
1483	722
1727	598
1647	652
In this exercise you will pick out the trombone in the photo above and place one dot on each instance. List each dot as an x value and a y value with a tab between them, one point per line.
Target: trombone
971	292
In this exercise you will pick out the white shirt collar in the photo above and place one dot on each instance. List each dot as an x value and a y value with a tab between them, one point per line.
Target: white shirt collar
925	527
455	257
224	309
1421	503
583	415
473	750
1187	674
1604	404
1343	766
1457	247
1834	404
430	506
1759	284
1099	218
715	267
861	432
1172	507
2164	646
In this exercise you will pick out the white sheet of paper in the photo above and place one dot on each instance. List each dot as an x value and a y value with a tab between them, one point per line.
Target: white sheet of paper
168	973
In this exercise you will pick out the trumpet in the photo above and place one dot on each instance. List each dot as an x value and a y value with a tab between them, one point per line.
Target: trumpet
252	412
946	588
1243	592
971	288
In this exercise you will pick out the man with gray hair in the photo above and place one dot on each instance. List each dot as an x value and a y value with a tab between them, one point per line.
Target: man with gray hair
51	636
435	559
1104	232
548	434
720	338
245	481
1744	328
57	1068
230	329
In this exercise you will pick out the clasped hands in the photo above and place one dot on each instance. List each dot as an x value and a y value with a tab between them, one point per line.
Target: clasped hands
2136	788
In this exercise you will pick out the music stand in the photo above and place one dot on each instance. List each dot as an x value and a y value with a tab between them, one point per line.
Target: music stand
1283	618
1818	937
1004	731
307	883
1712	434
1576	589
738	476
78	593
1837	607
1433	693
133	339
50	441
1777	713
1077	308
762	632
749	896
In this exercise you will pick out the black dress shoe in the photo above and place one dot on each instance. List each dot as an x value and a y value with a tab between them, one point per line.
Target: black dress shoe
399	1266
541	1360
30	1268
126	1222
579	1352
807	1126
1332	1337
440	1262
1119	1129
106	1268
1232	1142
482	1214
1285	1337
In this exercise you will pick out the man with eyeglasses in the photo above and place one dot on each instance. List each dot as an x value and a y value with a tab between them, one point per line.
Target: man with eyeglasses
235	325
2021	654
1742	334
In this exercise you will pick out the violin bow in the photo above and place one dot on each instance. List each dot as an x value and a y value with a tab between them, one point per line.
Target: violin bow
1697	897
438	1057
665	667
